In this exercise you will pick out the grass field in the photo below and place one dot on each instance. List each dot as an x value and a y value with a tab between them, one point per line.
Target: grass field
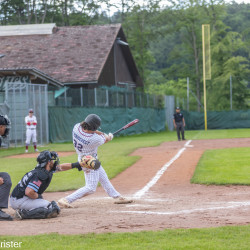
223	167
235	170
223	238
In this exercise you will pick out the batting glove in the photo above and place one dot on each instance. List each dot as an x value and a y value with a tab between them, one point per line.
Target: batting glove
111	136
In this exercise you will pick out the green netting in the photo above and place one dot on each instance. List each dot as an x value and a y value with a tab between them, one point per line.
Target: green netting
62	120
217	119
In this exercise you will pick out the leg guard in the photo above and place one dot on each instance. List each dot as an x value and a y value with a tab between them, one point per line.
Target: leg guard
41	213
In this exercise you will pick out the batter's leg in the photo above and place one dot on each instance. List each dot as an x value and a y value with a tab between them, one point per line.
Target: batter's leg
91	179
106	184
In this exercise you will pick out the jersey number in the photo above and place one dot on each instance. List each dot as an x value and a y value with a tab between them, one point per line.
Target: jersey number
78	146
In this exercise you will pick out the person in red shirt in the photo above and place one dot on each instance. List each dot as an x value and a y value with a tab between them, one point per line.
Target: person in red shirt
31	122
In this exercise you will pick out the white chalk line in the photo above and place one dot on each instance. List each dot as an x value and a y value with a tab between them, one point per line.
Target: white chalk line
188	211
158	175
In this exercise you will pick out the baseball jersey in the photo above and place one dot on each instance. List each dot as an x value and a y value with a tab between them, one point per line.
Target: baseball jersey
37	179
178	117
30	122
85	143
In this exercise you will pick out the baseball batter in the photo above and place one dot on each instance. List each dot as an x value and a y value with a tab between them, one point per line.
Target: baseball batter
86	140
26	198
31	122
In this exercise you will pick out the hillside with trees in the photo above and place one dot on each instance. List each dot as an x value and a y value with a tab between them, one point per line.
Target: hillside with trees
166	41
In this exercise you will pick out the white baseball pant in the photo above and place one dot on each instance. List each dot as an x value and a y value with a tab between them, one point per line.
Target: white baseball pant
92	177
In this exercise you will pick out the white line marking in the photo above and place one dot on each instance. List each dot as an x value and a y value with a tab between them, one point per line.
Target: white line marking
158	175
239	204
187	143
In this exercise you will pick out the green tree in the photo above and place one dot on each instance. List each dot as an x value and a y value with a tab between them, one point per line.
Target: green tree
140	32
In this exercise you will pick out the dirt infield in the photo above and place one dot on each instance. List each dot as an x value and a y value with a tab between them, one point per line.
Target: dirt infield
168	201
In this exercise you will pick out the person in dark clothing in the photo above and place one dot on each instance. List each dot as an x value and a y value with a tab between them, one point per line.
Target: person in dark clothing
179	123
26	198
5	181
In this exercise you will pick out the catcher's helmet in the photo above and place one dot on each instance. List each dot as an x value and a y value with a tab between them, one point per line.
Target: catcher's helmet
94	121
45	156
4	120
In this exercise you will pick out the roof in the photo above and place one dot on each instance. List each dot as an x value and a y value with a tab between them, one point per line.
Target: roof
69	54
28	29
35	73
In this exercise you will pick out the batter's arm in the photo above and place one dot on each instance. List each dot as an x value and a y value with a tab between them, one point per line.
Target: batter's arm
99	132
108	137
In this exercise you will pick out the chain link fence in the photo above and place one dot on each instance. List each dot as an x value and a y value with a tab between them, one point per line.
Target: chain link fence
99	97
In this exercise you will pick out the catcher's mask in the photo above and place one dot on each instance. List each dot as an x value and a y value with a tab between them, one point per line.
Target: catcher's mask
94	121
4	120
46	156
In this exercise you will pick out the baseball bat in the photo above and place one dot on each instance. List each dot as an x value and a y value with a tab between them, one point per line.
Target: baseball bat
130	124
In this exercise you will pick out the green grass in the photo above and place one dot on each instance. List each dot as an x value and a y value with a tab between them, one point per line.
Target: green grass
223	167
223	238
113	155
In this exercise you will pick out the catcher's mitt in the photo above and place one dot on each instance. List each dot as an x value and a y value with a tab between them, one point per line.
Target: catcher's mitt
88	161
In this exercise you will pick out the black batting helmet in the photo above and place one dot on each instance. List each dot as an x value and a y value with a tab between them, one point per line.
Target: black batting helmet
94	121
45	156
4	120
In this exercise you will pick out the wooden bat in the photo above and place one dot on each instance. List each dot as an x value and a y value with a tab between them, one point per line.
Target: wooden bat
130	124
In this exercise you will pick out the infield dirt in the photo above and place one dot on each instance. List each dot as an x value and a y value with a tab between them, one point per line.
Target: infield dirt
172	202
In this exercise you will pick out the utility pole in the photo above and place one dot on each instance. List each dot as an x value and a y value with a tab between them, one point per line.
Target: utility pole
231	93
187	93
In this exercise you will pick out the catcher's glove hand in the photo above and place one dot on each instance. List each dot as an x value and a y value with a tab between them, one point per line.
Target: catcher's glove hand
88	161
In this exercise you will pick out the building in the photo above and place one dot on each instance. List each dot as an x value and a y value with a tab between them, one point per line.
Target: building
39	63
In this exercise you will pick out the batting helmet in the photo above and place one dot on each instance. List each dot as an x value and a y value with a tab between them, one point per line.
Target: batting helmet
45	156
94	121
4	120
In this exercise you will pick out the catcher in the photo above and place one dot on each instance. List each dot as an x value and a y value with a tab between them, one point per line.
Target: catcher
86	140
26	197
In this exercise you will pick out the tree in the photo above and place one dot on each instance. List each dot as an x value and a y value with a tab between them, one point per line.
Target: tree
140	32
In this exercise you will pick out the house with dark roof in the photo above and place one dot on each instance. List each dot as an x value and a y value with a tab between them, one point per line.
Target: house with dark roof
40	64
86	56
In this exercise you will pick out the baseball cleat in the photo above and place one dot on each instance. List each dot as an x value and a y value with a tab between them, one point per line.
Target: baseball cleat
63	202
18	215
122	200
26	151
4	216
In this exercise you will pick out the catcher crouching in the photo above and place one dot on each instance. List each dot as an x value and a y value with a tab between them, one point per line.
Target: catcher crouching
26	197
